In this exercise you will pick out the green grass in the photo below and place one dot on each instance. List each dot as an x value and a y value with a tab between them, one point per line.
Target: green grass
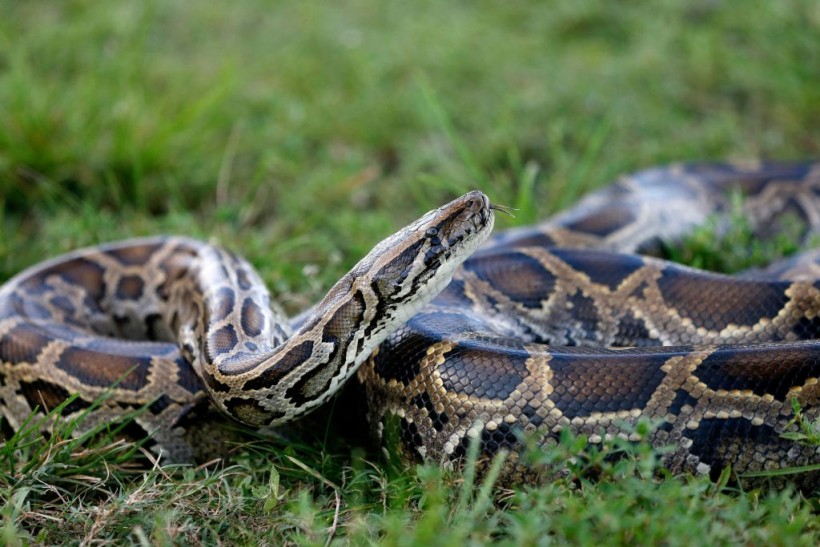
96	489
299	134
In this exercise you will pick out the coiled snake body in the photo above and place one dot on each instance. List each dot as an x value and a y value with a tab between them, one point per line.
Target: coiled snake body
454	338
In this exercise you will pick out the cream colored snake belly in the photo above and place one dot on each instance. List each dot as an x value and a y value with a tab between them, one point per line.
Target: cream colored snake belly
455	337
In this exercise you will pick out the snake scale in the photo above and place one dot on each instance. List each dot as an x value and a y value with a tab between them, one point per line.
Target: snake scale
455	336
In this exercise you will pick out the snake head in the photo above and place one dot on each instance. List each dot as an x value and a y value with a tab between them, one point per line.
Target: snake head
412	266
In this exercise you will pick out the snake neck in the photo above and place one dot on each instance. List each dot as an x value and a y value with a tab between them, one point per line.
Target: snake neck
260	374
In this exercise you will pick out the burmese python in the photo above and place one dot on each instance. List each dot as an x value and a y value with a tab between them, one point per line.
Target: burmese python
541	329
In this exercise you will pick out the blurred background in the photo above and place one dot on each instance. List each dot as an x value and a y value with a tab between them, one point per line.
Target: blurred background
300	133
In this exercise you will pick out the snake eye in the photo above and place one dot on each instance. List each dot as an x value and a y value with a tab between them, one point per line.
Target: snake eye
432	232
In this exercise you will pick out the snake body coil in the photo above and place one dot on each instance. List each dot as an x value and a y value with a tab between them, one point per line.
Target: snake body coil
539	330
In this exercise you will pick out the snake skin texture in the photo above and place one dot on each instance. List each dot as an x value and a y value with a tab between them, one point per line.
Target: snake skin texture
455	338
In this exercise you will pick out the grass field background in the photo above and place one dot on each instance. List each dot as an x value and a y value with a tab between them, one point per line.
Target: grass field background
299	134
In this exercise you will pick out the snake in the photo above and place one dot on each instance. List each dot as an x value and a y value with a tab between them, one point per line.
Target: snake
456	337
